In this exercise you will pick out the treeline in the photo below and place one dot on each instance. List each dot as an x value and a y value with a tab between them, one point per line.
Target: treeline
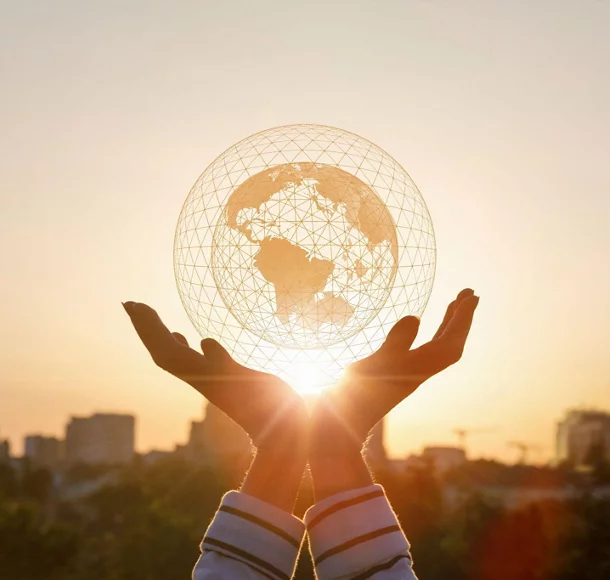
145	523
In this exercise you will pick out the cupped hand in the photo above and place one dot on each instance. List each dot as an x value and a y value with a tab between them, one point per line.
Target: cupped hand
372	387
267	408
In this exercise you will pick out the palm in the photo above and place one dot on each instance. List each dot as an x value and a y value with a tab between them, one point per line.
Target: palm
259	402
374	386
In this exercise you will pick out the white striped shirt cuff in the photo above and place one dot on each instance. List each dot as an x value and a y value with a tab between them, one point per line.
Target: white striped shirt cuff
354	534
257	534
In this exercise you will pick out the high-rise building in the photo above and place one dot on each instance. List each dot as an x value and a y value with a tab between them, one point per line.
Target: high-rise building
101	438
217	438
155	455
444	458
582	434
41	450
5	451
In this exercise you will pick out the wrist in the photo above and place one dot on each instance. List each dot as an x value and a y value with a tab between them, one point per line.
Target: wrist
285	432
335	472
274	479
337	440
345	414
288	443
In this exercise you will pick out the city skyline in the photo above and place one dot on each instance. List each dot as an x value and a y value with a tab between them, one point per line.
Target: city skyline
577	431
498	111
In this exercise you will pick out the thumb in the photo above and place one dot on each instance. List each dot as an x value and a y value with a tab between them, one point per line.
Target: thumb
215	352
180	338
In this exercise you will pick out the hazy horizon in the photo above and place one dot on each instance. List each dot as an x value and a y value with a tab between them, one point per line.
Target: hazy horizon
498	111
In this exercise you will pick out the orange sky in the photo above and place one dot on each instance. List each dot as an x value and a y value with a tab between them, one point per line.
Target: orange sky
499	112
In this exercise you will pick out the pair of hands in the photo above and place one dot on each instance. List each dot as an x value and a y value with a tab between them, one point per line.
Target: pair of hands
275	416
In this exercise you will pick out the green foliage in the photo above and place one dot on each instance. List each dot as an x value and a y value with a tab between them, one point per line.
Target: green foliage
9	484
31	549
145	523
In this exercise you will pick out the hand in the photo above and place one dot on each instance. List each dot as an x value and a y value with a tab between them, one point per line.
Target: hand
262	404
372	387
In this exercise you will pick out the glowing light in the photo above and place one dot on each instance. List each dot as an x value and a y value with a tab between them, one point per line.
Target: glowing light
306	379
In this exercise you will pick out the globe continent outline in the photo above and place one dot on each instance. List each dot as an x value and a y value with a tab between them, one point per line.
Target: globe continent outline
313	308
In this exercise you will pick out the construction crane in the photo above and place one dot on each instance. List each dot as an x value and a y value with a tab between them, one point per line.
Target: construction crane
524	450
463	434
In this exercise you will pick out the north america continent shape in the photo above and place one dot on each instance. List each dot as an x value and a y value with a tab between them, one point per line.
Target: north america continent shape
314	274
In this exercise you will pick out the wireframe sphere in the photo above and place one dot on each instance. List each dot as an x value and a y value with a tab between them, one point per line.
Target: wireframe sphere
299	247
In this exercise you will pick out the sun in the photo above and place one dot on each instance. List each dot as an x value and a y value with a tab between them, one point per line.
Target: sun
307	379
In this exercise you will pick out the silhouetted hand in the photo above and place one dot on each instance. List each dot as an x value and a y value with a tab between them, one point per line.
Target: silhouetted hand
372	387
262	404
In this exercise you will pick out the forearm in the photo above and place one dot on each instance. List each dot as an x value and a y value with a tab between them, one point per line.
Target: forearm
352	528
275	476
253	534
254	528
355	534
249	538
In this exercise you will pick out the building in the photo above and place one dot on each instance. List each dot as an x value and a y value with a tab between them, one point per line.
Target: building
444	458
45	451
581	435
5	451
155	455
101	438
217	439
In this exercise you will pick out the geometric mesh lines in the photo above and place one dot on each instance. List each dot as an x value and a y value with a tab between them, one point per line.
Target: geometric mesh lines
299	247
304	255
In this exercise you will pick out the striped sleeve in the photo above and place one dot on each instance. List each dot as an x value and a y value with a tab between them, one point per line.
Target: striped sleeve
260	538
355	535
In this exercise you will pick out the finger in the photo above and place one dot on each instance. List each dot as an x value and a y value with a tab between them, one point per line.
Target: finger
151	330
459	325
451	310
463	294
180	338
214	351
403	333
448	315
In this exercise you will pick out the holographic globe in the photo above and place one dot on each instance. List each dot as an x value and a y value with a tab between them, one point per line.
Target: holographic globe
299	247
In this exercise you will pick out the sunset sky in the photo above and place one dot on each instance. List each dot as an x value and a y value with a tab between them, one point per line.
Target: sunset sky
499	111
